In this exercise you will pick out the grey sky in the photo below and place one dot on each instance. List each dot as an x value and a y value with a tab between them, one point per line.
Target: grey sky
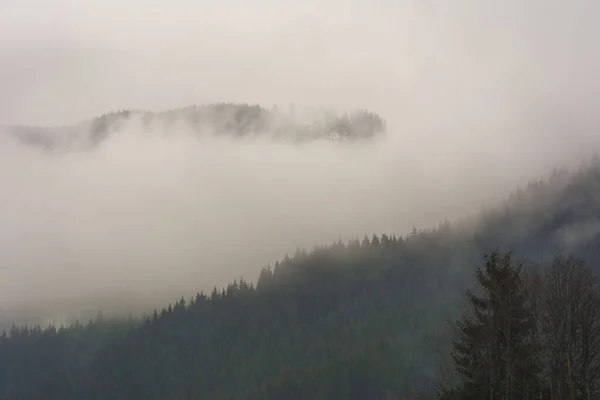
66	60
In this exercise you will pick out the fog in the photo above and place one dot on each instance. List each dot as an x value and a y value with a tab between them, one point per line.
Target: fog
478	98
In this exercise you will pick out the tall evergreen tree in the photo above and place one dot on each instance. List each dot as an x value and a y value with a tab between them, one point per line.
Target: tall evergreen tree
495	354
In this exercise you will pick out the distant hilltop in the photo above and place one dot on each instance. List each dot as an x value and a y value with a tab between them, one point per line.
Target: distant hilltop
238	120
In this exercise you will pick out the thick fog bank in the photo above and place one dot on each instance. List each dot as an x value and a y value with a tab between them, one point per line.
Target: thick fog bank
153	216
478	97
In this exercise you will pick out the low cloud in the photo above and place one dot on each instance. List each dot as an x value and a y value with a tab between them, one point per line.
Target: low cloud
479	97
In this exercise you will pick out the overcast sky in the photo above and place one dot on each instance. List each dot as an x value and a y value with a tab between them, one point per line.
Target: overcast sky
478	96
64	60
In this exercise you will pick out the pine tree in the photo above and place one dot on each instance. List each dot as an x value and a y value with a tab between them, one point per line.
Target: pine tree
494	353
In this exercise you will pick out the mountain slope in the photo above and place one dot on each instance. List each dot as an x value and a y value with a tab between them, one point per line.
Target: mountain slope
365	319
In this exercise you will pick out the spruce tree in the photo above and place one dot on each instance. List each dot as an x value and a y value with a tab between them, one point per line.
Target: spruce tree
494	353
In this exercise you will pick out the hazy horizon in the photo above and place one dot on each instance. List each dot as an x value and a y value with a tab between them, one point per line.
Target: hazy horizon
477	98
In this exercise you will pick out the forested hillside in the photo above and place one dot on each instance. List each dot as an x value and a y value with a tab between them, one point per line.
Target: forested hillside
231	119
368	319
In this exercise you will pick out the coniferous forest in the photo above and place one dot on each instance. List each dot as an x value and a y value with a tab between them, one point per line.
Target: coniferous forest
503	306
219	119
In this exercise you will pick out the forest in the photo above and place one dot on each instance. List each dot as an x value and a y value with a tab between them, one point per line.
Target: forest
504	305
221	119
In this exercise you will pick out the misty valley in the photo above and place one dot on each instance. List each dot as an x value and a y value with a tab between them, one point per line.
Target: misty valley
500	303
299	200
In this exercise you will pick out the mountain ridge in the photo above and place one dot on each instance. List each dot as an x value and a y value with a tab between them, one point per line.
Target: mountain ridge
229	119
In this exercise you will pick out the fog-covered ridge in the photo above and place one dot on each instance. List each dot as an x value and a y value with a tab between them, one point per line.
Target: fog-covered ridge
234	119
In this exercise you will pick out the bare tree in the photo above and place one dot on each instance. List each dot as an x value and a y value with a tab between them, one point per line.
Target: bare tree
558	323
533	279
587	339
570	328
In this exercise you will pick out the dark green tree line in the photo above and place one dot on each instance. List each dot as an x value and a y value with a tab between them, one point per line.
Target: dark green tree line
355	320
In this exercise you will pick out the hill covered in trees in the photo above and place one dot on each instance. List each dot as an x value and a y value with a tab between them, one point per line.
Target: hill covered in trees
367	319
232	119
